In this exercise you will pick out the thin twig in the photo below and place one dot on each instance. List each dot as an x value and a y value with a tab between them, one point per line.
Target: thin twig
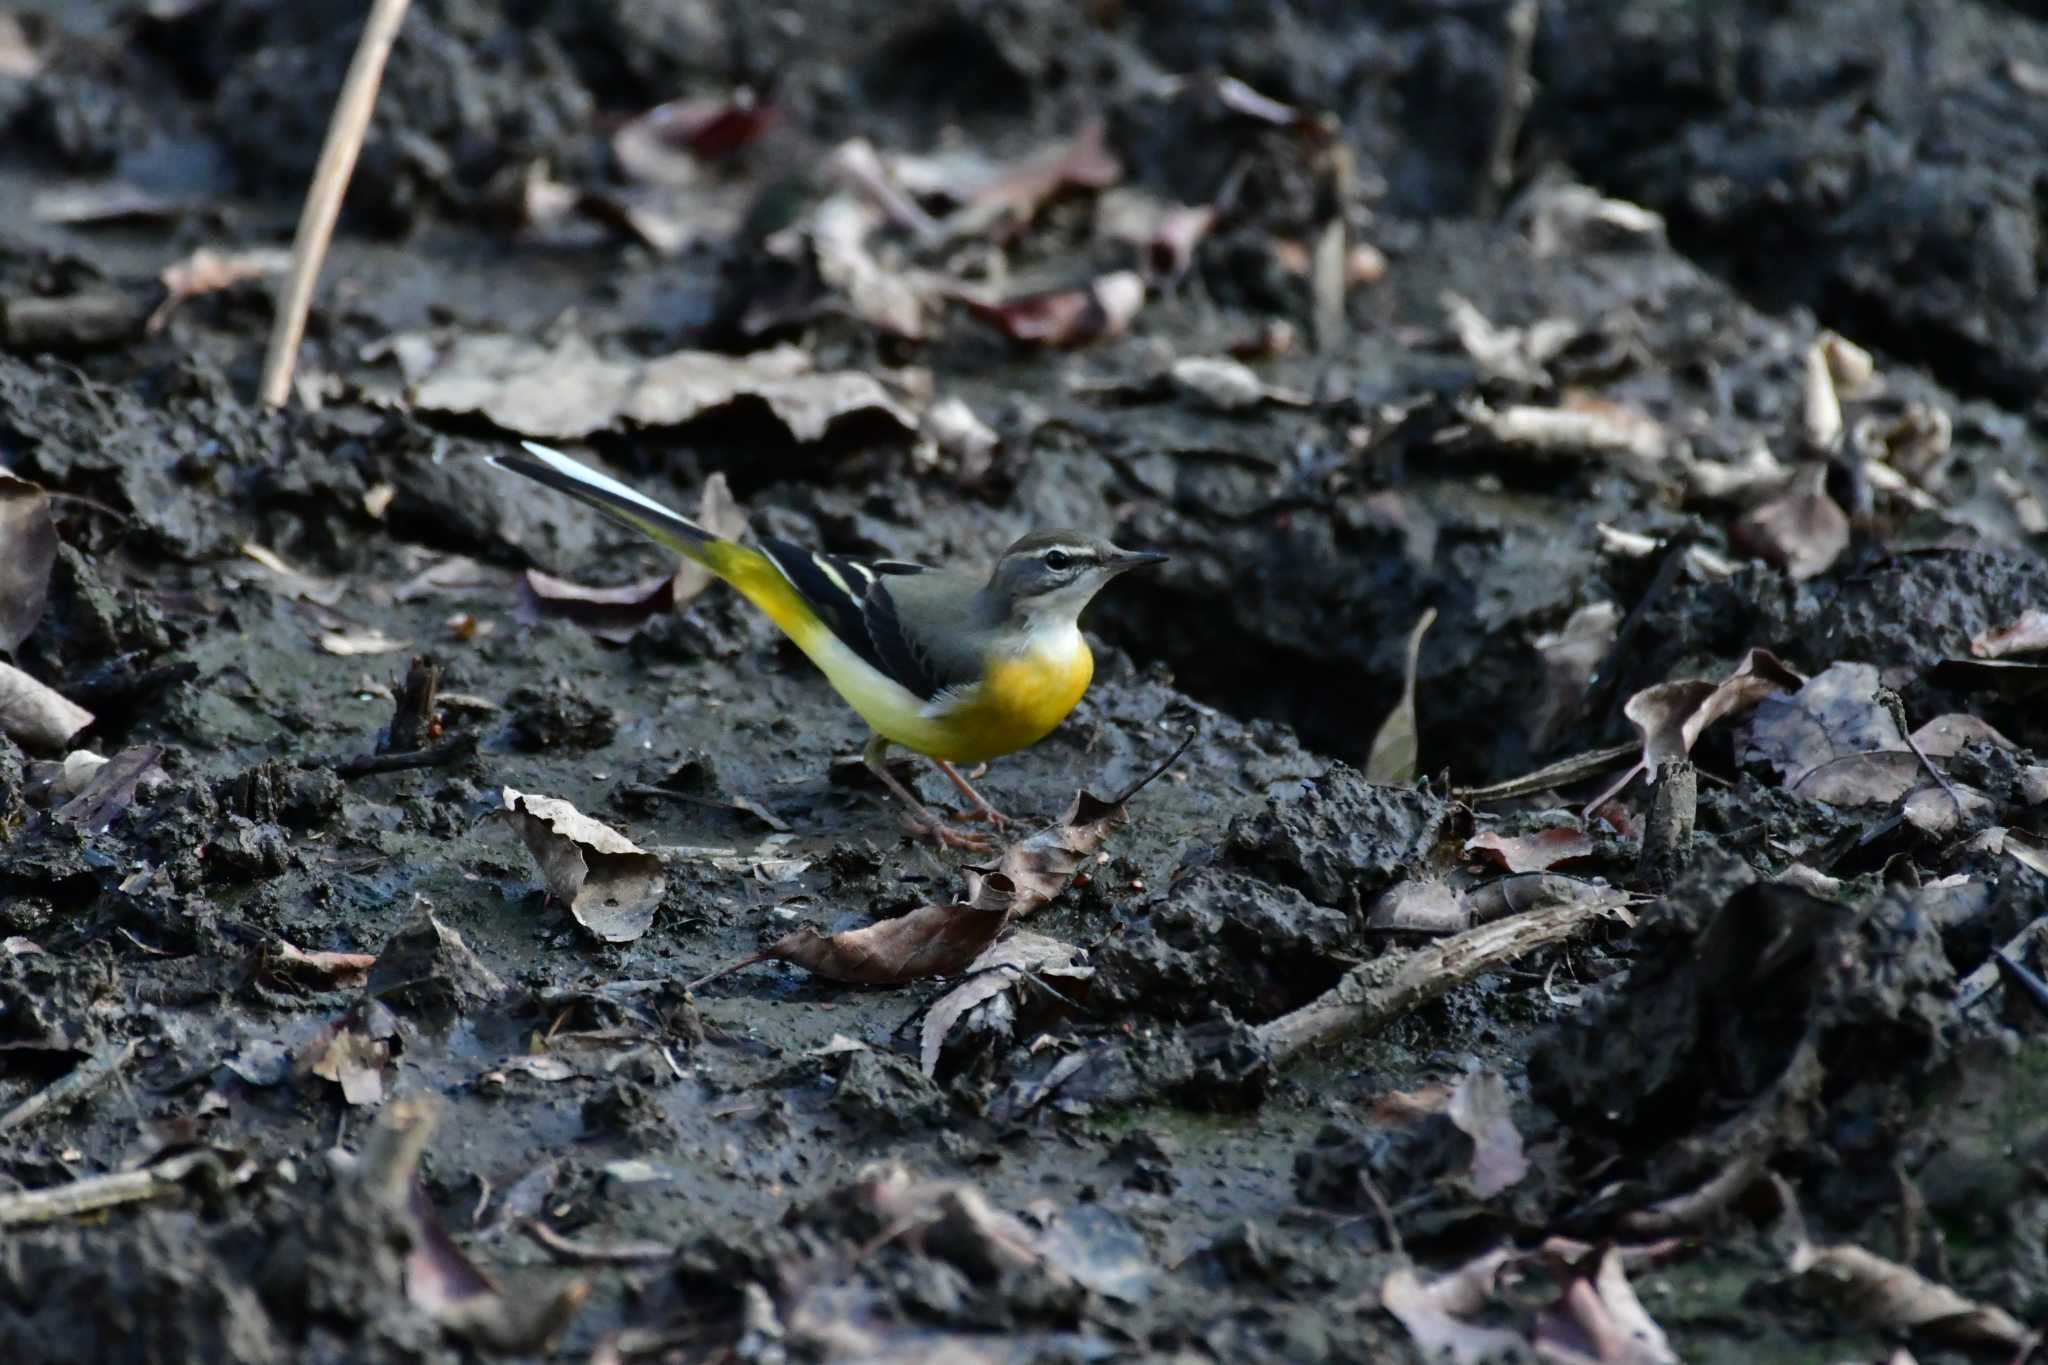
1562	773
323	198
1517	92
74	1086
434	756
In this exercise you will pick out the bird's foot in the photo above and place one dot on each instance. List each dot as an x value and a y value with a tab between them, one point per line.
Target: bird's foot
926	825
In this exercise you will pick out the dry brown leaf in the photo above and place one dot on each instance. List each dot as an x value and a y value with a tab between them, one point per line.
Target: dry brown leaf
1165	235
1434	1312
350	644
285	580
1570	658
1009	197
998	968
112	788
28	549
944	940
352	1052
609	883
1598	1320
1396	747
666	144
568	391
1586	428
1894	1297
207	271
2026	635
1481	1109
283	964
1228	385
1537	852
1420	906
1672	716
1946	736
1064	317
36	717
891	301
1803	532
1834	714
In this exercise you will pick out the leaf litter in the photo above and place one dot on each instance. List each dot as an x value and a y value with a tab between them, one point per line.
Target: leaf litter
610	884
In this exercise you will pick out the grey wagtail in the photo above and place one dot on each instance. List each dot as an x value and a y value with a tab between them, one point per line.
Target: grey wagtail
956	666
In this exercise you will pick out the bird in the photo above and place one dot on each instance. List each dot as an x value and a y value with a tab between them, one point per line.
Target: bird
957	666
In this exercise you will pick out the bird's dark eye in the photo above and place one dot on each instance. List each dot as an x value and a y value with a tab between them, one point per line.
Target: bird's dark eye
1059	561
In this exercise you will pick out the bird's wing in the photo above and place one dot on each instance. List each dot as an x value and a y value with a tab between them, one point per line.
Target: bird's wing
852	597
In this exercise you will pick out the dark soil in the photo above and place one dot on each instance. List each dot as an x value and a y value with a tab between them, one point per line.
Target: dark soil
734	1172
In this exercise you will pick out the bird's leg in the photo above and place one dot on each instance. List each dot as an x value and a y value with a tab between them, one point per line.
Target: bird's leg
980	803
919	819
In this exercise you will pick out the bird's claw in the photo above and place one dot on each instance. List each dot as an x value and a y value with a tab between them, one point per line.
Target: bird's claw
943	835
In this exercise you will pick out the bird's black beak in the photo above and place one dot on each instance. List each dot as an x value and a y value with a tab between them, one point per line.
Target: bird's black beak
1134	559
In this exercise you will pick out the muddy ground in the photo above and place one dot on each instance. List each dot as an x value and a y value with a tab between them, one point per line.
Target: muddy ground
1629	337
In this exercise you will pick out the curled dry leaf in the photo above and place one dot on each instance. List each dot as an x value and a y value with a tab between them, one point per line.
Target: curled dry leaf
1518	355
1670	717
665	144
28	550
286	965
1228	385
1601	430
1000	967
1481	1110
2028	634
1537	852
1420	906
35	716
567	391
945	940
609	883
1064	317
952	431
1009	197
350	644
1568	216
1165	235
207	271
618	613
1894	1297
1396	746
888	300
1803	532
352	1052
1820	409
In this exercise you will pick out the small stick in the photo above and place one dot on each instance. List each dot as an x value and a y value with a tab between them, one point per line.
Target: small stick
99	1192
1517	93
69	1089
323	198
412	721
1374	994
1562	773
434	756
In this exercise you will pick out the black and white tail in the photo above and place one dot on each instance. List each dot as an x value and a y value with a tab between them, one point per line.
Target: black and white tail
609	496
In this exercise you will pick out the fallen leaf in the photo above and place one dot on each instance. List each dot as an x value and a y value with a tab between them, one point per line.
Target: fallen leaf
19	59
36	717
355	643
352	1052
1537	852
1598	430
1803	532
207	271
1434	1312
280	964
609	883
1598	1320
945	939
1165	235
1569	216
112	789
287	581
999	968
1672	716
1517	355
28	550
1570	657
2026	635
1946	736
1893	1297
568	391
666	144
1228	385
1064	317
1481	1110
2026	504
1395	748
1420	906
888	300
952	431
1834	714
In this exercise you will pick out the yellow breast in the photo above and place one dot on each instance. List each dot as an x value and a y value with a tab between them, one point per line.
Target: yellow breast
1021	699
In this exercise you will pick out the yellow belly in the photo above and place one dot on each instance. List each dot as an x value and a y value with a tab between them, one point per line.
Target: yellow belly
1021	701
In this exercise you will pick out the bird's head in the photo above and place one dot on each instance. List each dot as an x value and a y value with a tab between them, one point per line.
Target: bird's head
1051	575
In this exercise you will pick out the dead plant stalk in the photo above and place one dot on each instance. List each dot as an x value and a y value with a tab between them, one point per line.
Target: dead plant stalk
323	197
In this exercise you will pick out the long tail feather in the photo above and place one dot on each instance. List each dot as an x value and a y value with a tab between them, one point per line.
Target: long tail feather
609	496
